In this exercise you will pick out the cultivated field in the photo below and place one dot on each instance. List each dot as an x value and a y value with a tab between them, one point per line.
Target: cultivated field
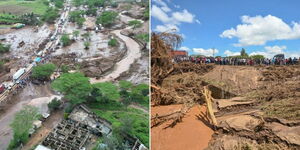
19	7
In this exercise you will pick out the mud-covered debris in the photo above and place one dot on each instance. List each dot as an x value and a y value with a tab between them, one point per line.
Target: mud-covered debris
239	122
289	134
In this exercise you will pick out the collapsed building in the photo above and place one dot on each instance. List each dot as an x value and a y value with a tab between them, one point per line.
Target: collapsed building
76	132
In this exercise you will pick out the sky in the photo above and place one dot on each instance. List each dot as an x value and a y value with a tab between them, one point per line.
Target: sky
224	27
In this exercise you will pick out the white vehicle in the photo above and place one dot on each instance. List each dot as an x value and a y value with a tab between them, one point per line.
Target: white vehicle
18	74
8	85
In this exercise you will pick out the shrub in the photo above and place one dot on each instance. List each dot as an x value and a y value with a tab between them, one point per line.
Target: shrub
113	42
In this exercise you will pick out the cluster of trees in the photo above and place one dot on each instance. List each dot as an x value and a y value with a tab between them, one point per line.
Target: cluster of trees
54	104
4	48
107	18
43	72
50	15
77	17
28	19
245	55
77	89
21	125
58	3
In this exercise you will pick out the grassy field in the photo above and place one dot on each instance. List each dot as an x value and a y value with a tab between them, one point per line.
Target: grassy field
19	7
115	112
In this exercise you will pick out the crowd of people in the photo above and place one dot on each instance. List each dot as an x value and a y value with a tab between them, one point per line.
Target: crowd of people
237	61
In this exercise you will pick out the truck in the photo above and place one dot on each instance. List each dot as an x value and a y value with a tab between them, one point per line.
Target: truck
18	74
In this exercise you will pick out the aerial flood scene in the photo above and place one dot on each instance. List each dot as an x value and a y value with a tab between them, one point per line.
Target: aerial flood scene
225	75
74	74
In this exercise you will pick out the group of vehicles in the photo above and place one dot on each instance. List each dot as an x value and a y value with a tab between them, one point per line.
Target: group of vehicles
23	72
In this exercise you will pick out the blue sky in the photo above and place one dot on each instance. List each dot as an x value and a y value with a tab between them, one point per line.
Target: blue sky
263	27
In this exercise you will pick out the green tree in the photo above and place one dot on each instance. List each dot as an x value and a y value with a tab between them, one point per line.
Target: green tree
76	34
43	72
80	21
50	15
135	24
86	45
107	18
146	14
91	11
113	42
75	86
143	36
107	91
76	16
54	104
257	56
243	53
65	39
21	124
4	48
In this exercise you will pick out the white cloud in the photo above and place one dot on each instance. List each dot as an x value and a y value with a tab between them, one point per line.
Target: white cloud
170	19
166	28
270	51
159	14
231	53
205	52
184	48
275	49
183	16
258	30
163	5
198	21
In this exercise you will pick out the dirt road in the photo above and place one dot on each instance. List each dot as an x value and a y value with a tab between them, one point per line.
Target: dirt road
133	52
27	96
190	134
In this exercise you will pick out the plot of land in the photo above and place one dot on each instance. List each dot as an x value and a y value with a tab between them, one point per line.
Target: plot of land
19	7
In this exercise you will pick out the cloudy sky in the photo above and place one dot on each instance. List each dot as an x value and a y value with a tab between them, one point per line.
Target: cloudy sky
224	27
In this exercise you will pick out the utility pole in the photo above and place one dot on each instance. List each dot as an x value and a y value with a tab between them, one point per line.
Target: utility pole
213	52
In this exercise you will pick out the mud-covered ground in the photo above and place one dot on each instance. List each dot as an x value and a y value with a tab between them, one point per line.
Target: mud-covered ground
255	107
34	95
